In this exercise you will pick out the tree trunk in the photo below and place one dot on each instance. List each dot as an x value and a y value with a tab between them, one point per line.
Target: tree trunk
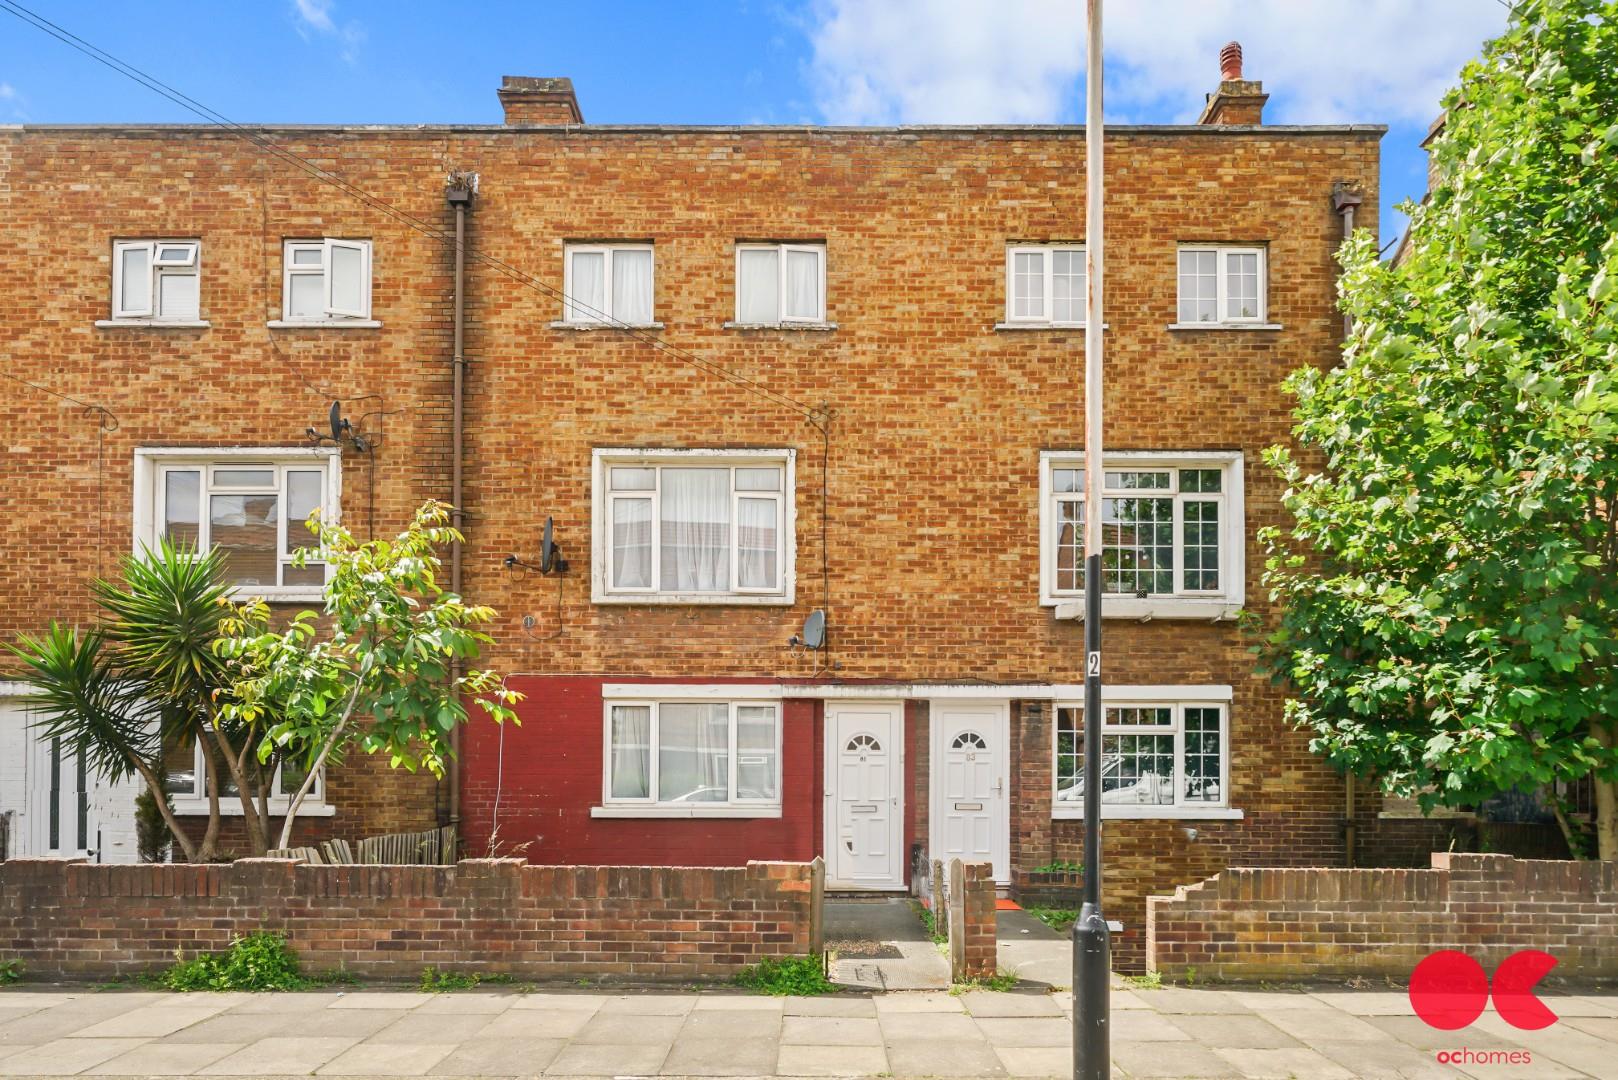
1574	837
209	849
1606	802
314	769
154	784
255	826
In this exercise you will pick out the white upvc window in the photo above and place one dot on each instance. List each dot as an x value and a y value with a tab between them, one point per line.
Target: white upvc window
778	284
1222	284
185	779
251	504
1159	758
156	280
608	284
693	526
1045	284
691	758
1171	530
326	280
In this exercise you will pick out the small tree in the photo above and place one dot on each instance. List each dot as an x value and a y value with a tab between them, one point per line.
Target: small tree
391	647
1449	587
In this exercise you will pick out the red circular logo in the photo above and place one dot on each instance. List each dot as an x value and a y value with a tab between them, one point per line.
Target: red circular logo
1449	990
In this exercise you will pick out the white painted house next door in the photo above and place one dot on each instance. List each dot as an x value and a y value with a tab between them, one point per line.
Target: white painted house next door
864	795
53	803
970	782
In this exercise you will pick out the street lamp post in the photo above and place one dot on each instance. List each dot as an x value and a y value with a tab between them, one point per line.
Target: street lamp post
1092	951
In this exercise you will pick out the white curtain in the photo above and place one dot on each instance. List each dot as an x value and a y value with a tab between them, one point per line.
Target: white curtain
631	751
755	752
696	530
632	286
803	285
755	543
587	286
632	543
758	286
693	753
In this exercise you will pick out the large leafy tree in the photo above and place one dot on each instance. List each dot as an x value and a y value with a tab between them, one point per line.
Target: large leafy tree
1449	587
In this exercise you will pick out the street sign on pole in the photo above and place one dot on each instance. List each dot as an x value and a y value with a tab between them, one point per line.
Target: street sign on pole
1092	950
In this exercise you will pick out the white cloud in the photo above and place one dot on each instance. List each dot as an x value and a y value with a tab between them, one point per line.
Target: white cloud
316	15
969	61
13	106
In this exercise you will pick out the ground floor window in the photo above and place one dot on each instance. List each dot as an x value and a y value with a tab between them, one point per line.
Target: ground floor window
185	779
689	754
1153	755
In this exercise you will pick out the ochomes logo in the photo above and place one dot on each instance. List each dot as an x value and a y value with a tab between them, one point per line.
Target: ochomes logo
1449	990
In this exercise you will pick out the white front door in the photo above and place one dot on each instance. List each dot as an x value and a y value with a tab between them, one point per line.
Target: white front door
971	773
864	794
60	818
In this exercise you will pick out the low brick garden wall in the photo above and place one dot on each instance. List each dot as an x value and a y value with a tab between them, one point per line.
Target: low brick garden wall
71	919
1295	924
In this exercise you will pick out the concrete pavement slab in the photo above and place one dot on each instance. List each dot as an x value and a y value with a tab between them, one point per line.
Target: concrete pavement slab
387	1059
832	1061
1583	1005
68	1018
1247	1032
499	1057
152	1021
1026	1031
597	1059
414	1028
1142	1025
295	1001
630	1030
649	1004
381	999
1387	1060
1367	1002
469	1002
64	1057
942	1057
1602	1027
837	1005
950	1026
244	1028
1284	1063
1532	1070
1413	1032
721	1057
1182	1061
572	1002
279	1056
830	1031
1309	1026
980	1004
1277	1000
1035	1061
1181	999
536	1024
1565	1045
738	1003
164	1058
925	1001
732	1024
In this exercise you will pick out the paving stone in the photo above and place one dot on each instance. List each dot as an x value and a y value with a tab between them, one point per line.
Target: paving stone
69	1018
837	1005
721	1057
1180	999
1602	1027
151	1021
244	1028
738	1003
732	1024
63	1057
360	1023
1179	1060
1387	1060
381	999
458	1003
650	1004
1562	1044
415	1028
928	1025
1036	1060
1026	1031
1592	1005
925	1001
499	1057
1264	1001
1247	1032
1118	1001
279	1056
595	1059
1141	1025
297	1001
570	1002
165	1058
387	1059
982	1004
1284	1063
534	1024
830	1031
832	1061
941	1057
1367	1002
1309	1025
36	999
630	1030
1413	1032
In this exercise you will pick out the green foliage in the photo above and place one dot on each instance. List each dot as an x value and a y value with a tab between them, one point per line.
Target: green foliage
390	646
1060	868
11	971
1449	585
439	980
998	983
938	935
1059	919
1152	980
260	961
797	976
152	837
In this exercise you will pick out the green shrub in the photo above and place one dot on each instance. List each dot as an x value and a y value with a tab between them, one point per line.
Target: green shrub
1059	919
439	981
1060	868
998	983
799	976
10	972
938	935
259	961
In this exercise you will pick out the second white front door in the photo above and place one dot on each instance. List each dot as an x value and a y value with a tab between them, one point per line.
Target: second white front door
970	777
864	794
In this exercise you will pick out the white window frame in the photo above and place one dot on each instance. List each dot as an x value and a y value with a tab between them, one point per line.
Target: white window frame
1182	603
604	591
818	250
1177	698
231	805
650	807
1049	252
576	317
190	266
1221	284
151	463
331	314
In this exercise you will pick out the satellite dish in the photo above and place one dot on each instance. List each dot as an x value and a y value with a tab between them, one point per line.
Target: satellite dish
814	630
550	555
338	424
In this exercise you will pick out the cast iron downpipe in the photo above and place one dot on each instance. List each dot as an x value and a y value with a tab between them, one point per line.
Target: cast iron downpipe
1345	198
459	193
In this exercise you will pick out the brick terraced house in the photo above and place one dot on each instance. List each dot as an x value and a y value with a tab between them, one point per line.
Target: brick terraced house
803	406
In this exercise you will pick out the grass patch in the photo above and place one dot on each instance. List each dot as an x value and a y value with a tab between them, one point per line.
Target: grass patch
441	981
929	922
998	983
1152	980
261	961
1059	919
1060	868
798	976
10	972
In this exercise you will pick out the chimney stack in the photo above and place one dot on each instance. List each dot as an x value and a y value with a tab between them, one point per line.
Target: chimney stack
1238	101
528	101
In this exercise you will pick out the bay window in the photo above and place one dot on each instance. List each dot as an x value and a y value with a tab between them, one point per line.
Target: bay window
1166	758
692	758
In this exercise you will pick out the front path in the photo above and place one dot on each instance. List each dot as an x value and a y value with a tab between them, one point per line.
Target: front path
1171	1032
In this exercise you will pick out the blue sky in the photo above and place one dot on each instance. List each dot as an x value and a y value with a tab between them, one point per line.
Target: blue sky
749	61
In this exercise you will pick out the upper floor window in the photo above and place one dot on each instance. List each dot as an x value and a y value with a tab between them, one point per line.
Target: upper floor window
252	506
608	283
1222	284
693	526
326	280
1170	529
1045	284
1158	758
691	758
156	280
780	283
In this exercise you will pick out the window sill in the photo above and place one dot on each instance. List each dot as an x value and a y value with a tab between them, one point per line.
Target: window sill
563	324
800	326
694	599
1226	326
1060	328
152	324
231	806
1213	609
685	811
241	593
1152	813
324	324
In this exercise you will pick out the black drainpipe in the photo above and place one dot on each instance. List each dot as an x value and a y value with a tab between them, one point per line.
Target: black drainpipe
462	186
